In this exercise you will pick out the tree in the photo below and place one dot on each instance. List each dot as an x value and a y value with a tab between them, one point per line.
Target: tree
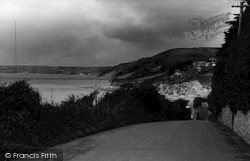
230	84
20	96
197	102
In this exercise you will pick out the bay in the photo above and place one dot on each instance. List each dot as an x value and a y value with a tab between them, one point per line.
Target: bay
57	87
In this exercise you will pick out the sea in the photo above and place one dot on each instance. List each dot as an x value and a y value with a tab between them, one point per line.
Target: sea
55	88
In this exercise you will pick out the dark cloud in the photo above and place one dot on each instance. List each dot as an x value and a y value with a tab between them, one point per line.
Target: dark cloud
87	48
158	20
136	35
98	32
48	44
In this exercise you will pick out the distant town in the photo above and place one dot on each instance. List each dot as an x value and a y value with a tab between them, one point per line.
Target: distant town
88	71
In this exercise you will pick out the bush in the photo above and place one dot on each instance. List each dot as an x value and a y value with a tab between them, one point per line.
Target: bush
149	99
20	96
142	103
197	102
180	110
41	125
215	106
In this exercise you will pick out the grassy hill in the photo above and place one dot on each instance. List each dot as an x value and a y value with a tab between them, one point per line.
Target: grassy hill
165	66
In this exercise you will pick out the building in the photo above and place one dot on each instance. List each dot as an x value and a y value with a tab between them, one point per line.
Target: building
213	61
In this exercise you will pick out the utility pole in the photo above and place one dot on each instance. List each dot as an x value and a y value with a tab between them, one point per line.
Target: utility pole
96	100
15	53
51	96
241	6
108	100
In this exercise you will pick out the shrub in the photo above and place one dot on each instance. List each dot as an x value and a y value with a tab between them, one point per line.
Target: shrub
149	98
20	96
180	110
197	102
43	125
142	103
215	105
76	109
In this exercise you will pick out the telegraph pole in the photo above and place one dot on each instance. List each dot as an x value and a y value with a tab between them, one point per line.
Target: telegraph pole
15	52
96	101
241	6
51	96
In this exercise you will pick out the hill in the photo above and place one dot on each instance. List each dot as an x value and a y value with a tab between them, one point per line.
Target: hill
185	63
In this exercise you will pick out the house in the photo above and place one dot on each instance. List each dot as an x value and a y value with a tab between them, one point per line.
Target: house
199	65
213	61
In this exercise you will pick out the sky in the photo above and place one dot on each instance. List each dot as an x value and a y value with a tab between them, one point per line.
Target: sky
100	32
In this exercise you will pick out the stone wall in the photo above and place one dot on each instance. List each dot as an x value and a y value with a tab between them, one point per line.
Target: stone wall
226	117
241	123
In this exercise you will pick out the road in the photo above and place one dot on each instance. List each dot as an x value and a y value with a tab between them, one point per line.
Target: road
160	141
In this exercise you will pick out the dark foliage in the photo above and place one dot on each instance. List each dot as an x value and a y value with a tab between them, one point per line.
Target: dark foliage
197	101
180	65
181	112
20	96
149	98
40	125
215	106
143	104
230	83
230	37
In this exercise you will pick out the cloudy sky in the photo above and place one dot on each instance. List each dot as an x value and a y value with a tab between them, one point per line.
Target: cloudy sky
99	32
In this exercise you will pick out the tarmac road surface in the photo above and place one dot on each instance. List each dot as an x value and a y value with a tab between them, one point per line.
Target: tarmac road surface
160	141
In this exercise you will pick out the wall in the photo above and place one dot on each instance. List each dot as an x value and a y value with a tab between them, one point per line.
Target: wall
241	122
226	117
202	113
242	125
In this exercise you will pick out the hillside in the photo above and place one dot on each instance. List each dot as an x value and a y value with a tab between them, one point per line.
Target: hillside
180	63
160	66
182	73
